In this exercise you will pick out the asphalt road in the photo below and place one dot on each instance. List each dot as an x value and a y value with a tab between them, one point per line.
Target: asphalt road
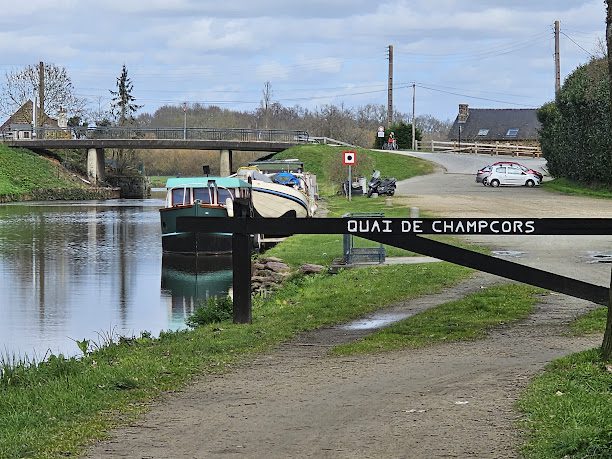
453	192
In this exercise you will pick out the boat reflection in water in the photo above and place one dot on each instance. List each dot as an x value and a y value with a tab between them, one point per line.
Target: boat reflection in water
189	280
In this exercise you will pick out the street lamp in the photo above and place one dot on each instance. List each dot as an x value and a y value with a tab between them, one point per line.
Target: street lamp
185	121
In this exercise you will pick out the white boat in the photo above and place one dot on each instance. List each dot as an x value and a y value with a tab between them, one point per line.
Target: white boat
280	194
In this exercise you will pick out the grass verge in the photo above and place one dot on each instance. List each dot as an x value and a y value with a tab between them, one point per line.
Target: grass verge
592	322
568	409
55	408
465	319
566	186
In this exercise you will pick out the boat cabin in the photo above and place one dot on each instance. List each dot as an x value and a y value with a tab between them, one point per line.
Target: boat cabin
211	191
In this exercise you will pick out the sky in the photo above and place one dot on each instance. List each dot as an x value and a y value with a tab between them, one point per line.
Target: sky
488	54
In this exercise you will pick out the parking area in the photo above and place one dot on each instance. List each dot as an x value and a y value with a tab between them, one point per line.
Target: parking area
456	194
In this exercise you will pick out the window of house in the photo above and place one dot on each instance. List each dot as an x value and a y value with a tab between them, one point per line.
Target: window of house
483	132
513	132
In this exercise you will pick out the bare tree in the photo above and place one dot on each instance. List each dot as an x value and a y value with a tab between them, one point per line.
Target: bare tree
21	86
266	102
606	346
433	128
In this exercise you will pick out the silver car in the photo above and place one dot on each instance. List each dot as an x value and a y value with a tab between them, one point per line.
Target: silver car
482	174
508	175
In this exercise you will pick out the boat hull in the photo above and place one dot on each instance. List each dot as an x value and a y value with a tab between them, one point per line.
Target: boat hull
272	200
187	242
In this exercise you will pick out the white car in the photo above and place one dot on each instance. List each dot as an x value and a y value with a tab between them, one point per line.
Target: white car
507	175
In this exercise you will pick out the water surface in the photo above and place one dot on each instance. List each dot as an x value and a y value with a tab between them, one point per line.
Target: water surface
93	269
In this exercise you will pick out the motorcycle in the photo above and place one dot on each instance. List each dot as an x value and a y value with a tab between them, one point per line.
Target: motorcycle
381	186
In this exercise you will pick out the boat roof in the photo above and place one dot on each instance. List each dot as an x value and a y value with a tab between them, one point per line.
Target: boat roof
225	182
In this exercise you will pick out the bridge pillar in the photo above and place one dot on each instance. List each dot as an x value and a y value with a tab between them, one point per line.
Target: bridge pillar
225	163
95	164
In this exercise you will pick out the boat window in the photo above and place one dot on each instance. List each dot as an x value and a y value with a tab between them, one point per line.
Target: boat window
202	195
178	196
224	193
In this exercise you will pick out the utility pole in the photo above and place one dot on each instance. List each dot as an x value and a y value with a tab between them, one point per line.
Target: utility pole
41	93
413	118
390	89
557	60
184	120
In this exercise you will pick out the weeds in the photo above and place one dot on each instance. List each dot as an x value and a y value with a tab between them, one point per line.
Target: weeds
216	309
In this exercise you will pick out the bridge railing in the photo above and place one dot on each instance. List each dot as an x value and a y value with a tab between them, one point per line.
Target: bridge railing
104	132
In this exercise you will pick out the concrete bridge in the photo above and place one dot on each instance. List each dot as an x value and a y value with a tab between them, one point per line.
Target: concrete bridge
96	140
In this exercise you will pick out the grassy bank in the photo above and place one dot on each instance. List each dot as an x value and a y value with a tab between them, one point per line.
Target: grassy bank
53	409
24	174
326	163
566	186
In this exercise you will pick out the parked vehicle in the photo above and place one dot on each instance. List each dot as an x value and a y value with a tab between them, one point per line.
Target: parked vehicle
520	166
482	174
509	175
381	186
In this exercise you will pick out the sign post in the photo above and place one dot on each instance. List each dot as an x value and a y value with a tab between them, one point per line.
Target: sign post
349	159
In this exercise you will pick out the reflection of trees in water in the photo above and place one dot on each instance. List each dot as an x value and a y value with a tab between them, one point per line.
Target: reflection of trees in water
51	247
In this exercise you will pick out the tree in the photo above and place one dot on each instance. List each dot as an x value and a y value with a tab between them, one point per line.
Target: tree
23	85
123	103
124	108
265	102
606	345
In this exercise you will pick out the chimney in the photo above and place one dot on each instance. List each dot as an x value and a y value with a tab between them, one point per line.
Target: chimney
464	112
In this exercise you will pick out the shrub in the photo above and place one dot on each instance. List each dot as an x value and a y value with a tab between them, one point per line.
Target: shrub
216	309
575	134
403	135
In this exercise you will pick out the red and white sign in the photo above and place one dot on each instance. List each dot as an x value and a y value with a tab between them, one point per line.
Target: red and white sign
381	131
350	156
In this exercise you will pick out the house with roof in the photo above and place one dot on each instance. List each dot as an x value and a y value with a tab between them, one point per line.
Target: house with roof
494	125
20	126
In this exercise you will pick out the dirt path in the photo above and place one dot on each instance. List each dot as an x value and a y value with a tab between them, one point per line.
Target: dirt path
452	400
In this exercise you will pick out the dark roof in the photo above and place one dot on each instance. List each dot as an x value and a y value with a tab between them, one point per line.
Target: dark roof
497	121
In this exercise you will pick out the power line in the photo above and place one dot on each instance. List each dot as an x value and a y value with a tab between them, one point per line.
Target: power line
475	97
494	51
574	42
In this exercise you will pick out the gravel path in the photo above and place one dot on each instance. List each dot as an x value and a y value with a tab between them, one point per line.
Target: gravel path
452	400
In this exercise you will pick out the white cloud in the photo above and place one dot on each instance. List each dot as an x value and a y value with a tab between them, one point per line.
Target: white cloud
187	48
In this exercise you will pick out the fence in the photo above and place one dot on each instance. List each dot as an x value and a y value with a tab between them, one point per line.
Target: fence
497	148
104	132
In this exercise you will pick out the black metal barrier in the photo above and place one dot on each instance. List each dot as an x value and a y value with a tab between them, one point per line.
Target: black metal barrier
406	233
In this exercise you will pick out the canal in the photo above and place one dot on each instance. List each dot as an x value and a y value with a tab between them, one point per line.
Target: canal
93	270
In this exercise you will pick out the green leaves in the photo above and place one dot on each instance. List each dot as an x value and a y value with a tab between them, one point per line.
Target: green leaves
576	134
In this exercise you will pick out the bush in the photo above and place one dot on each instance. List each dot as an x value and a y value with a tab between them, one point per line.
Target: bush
403	135
216	309
575	135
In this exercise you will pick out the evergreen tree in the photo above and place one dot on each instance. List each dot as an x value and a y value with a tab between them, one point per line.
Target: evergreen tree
124	106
